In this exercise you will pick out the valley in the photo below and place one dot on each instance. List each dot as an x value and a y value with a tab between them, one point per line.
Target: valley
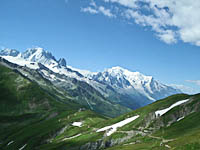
51	108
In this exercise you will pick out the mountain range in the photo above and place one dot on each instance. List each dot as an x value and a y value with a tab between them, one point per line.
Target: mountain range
38	118
47	105
115	85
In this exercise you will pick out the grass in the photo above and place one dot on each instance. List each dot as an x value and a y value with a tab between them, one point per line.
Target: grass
140	143
186	132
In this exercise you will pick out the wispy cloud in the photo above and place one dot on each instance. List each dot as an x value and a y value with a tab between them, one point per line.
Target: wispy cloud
185	89
197	82
171	20
127	3
94	9
89	10
106	12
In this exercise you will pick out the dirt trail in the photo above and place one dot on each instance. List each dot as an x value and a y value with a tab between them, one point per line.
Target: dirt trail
163	141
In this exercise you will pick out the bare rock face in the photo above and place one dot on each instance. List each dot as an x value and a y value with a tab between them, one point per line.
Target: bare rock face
62	62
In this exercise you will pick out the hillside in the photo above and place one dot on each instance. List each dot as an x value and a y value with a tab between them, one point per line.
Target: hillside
31	118
31	115
67	89
177	129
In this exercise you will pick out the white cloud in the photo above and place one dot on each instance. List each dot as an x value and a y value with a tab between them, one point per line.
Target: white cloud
184	16
185	89
167	36
106	12
94	9
197	82
90	10
171	20
126	3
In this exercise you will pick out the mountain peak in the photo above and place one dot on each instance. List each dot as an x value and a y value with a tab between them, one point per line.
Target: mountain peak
62	62
117	70
39	55
9	52
37	52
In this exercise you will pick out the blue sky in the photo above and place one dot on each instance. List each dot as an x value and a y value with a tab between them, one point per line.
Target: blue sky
95	35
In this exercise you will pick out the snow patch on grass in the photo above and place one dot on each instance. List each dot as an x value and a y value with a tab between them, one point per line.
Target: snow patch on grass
77	124
23	147
71	137
10	143
113	128
180	119
163	111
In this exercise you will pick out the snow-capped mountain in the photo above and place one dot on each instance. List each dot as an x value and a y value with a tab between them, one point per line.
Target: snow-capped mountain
126	81
39	55
32	57
9	52
118	85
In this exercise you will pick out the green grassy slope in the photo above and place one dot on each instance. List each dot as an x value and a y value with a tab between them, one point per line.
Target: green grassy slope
29	115
48	134
179	135
182	135
19	95
146	132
